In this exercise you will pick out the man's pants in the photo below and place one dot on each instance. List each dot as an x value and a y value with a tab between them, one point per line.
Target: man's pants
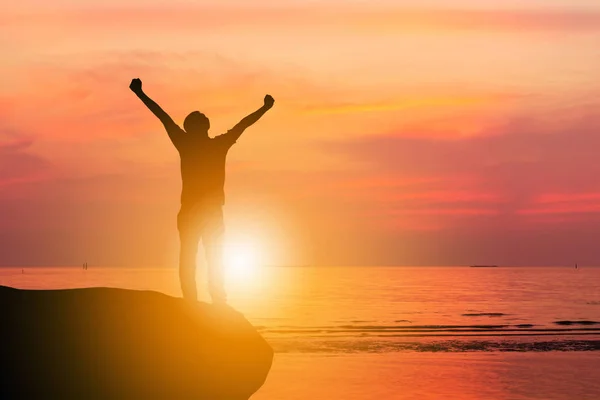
204	222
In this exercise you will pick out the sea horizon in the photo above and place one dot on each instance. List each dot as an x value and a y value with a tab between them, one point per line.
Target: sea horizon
175	266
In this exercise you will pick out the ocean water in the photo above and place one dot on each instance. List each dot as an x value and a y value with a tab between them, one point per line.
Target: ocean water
382	309
400	332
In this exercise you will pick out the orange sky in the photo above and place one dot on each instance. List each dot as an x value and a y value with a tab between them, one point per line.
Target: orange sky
403	132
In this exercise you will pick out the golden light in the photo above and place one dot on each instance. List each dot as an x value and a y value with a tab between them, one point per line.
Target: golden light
242	261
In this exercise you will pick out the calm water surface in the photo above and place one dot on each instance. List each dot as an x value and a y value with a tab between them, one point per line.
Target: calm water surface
299	309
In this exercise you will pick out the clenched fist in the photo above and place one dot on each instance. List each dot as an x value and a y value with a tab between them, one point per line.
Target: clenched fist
135	85
269	101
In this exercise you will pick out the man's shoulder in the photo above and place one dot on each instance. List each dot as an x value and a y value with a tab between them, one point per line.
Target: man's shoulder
226	139
172	127
178	136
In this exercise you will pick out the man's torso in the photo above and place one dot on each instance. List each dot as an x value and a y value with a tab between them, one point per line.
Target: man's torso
203	170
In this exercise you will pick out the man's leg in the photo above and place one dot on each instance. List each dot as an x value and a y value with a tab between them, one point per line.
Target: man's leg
212	238
188	238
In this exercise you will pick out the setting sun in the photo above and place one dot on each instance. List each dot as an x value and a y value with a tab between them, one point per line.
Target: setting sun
241	259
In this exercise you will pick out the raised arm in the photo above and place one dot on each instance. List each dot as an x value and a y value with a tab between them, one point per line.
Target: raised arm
239	128
173	130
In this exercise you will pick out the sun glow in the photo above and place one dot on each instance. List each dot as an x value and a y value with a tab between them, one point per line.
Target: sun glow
242	260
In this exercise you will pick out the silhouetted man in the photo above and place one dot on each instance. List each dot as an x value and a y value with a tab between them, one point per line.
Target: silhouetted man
202	195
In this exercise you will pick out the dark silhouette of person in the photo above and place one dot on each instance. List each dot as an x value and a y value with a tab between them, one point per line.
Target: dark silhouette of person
202	194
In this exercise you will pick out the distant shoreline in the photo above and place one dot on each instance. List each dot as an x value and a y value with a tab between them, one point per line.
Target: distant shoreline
174	267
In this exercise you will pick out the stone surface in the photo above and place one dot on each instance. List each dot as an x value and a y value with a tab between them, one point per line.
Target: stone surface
109	343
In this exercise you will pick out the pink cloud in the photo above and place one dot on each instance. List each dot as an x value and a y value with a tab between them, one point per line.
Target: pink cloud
515	171
18	165
549	198
570	204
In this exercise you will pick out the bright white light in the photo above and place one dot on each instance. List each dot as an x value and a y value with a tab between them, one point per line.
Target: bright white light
241	260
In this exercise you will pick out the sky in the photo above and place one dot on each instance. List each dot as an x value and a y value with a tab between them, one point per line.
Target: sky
403	133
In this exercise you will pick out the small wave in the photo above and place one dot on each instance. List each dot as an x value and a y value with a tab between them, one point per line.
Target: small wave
351	328
577	322
358	321
337	331
384	346
488	314
593	303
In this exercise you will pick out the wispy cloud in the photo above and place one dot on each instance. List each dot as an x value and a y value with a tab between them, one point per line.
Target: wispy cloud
522	168
18	165
363	19
412	102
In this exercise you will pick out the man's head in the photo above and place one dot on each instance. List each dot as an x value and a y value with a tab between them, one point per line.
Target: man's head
196	123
